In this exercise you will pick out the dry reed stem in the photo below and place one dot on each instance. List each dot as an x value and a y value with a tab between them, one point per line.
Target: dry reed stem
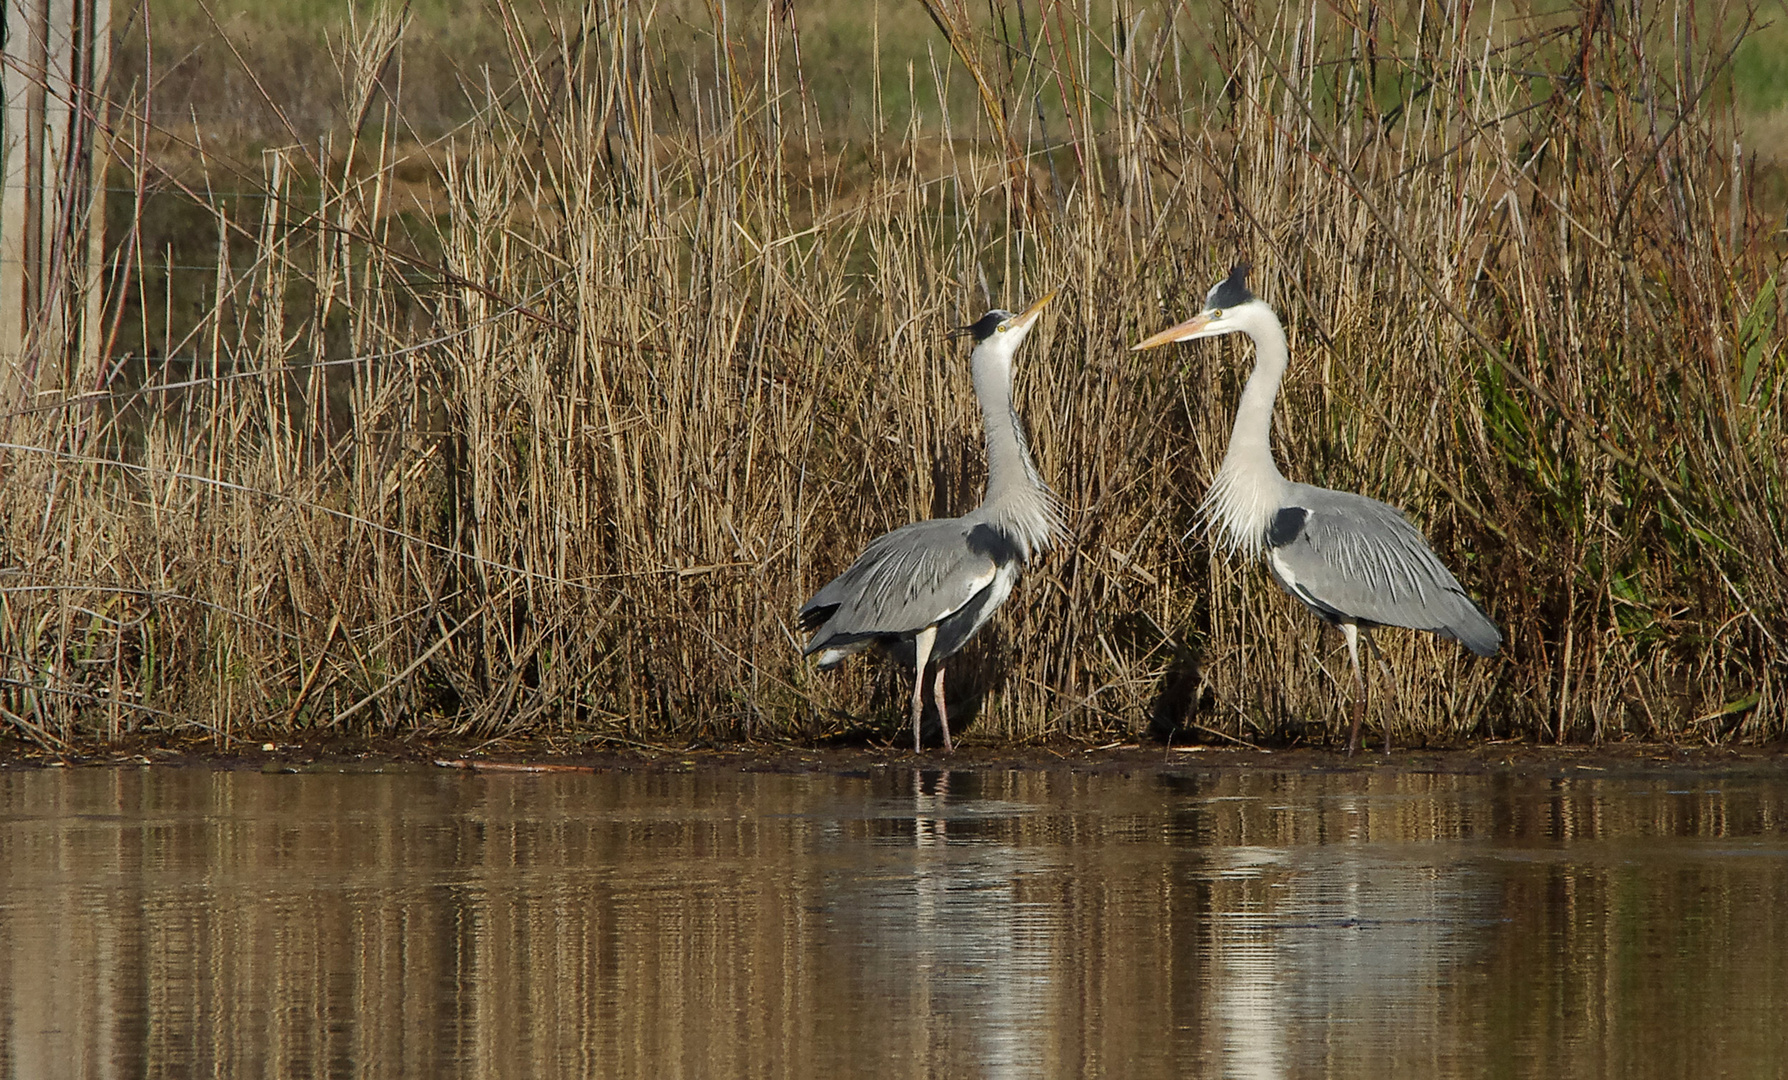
677	359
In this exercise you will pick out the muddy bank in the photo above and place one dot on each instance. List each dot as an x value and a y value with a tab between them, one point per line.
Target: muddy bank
512	756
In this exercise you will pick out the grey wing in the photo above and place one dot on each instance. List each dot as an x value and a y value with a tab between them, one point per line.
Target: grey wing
904	581
1353	558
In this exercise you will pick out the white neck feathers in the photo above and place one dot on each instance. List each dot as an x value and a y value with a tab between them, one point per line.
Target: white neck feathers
1016	502
1248	489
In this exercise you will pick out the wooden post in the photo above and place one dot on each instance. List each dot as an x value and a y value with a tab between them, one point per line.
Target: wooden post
52	193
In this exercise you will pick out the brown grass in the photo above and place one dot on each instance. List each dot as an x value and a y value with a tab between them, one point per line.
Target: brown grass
563	459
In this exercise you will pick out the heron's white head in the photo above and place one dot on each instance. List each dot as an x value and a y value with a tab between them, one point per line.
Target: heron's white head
1228	308
1000	330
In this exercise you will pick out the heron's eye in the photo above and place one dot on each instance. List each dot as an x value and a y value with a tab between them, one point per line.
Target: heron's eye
1216	313
1005	326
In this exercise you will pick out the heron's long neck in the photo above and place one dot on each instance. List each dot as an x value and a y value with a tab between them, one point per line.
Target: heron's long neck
1017	501
1249	489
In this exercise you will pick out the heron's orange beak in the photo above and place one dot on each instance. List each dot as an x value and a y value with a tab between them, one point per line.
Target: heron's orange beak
1187	329
1030	313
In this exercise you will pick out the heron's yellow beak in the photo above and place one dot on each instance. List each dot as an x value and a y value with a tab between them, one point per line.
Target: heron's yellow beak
1030	314
1189	328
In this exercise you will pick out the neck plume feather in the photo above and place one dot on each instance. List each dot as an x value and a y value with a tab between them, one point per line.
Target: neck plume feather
1248	488
1016	502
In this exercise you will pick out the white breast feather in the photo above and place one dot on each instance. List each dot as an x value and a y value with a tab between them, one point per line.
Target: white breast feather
1285	575
991	577
1001	586
1241	505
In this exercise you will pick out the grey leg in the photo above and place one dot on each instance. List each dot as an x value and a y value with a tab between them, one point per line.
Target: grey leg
1397	694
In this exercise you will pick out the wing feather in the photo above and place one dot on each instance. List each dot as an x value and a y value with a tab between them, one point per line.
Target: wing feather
1360	559
904	581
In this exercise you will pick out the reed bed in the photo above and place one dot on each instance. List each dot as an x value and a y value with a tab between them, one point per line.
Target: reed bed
560	455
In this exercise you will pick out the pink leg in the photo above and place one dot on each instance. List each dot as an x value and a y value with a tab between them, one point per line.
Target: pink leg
943	718
922	653
1351	632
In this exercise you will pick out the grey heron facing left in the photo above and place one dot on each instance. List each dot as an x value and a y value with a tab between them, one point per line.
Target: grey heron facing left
922	591
1354	561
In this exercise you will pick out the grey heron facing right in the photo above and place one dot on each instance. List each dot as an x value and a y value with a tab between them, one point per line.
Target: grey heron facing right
922	591
1354	561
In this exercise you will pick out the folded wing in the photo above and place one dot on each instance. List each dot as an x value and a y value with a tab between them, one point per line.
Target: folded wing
1349	557
906	580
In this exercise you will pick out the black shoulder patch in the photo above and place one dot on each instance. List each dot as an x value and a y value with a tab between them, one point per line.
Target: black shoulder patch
1287	526
1232	290
982	329
990	542
812	618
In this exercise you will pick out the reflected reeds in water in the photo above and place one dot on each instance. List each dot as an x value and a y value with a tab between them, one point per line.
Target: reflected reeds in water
891	922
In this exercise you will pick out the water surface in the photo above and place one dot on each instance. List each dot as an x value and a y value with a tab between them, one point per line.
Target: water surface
892	922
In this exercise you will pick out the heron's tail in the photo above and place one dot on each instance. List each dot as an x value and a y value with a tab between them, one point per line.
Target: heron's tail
1474	630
